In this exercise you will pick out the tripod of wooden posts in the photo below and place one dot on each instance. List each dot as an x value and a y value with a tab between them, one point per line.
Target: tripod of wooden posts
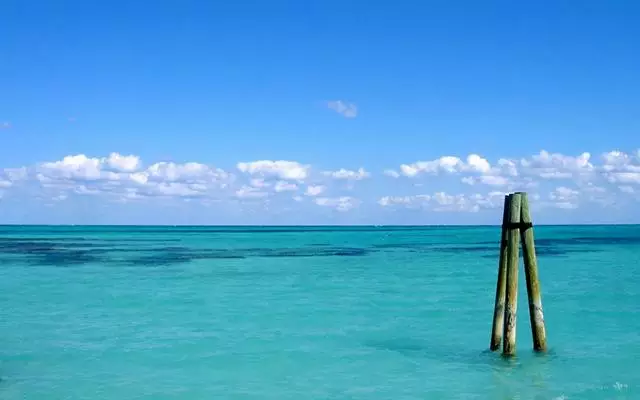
516	225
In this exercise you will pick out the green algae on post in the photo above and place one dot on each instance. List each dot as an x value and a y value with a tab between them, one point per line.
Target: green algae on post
533	284
501	287
511	298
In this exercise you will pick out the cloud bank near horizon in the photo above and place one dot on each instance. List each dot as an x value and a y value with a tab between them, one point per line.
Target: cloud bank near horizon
449	184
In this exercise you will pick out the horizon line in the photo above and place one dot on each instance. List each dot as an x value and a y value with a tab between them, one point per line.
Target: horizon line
305	225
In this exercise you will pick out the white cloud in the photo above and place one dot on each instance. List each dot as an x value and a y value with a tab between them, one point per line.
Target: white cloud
446	202
578	182
443	202
615	160
285	170
616	167
563	193
344	203
624	177
314	190
346	174
557	166
564	198
626	189
259	183
489	201
249	192
123	163
490	180
620	167
347	110
282	186
76	167
5	125
15	174
174	189
82	189
187	172
507	167
479	164
408	201
122	177
446	163
449	165
391	173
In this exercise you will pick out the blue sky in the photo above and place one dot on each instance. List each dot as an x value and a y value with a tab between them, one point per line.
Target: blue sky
318	112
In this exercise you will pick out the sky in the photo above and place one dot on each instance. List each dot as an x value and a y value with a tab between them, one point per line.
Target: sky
318	112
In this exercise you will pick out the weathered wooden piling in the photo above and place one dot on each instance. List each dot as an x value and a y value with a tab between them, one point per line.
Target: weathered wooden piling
501	287
531	272
516	225
511	297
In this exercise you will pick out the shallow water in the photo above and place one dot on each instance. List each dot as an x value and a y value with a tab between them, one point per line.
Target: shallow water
309	313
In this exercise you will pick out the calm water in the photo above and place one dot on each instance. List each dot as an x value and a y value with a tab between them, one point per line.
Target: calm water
309	313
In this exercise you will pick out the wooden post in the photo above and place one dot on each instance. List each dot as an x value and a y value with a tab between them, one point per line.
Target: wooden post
498	311
511	298
531	272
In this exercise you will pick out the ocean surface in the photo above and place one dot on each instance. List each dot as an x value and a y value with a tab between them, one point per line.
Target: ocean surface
310	313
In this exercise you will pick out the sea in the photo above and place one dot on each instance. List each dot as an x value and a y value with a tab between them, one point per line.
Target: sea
294	313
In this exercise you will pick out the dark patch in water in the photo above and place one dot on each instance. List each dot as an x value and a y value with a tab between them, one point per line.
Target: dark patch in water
466	249
87	239
438	247
431	246
550	251
58	256
176	255
591	240
51	252
139	240
68	257
313	252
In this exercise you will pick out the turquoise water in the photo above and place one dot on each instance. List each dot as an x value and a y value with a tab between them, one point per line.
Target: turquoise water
309	313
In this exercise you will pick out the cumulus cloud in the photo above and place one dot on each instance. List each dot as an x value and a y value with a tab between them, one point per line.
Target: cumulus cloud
343	203
347	110
284	170
616	167
250	192
123	163
124	177
282	186
406	201
444	202
563	193
314	190
557	166
392	173
491	180
346	174
619	167
480	169
454	184
564	197
259	183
